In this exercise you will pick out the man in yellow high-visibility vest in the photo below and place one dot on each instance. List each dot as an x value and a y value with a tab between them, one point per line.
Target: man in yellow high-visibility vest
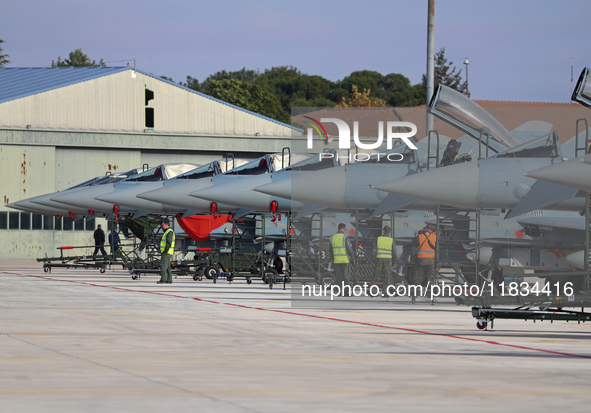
341	253
166	252
385	258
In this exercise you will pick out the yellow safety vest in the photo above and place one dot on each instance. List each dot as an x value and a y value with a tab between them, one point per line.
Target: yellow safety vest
425	250
163	242
339	250
384	247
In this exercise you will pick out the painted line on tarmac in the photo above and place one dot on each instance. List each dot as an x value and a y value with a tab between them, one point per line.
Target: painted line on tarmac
409	330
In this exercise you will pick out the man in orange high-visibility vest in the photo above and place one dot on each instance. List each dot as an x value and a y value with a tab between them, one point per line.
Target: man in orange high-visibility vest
425	262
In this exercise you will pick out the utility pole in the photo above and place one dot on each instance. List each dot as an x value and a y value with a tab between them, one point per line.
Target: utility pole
430	60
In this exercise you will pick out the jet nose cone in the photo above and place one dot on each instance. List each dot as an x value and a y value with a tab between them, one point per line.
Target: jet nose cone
281	189
573	174
455	185
324	188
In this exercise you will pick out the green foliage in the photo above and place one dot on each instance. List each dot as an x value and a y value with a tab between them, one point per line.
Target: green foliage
242	75
445	74
3	57
247	95
282	88
393	88
77	59
294	89
192	83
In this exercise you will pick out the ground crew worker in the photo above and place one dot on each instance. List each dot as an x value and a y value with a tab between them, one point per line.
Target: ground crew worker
166	252
341	253
114	242
99	241
425	262
385	258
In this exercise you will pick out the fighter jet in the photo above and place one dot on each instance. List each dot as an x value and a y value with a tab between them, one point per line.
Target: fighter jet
238	193
574	173
494	182
177	195
86	198
350	186
43	205
178	187
128	197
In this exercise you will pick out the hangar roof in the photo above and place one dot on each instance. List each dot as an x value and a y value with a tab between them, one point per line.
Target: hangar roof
19	82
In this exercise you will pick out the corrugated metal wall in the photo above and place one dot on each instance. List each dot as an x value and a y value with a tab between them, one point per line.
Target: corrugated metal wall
118	103
26	171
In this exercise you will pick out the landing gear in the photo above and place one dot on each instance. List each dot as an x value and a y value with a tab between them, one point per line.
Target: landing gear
210	272
270	277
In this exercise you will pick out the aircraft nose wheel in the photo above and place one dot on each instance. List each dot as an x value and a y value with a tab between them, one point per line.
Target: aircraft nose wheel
481	324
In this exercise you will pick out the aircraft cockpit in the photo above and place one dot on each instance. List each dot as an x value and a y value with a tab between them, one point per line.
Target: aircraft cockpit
265	164
317	162
111	179
204	171
162	172
547	146
400	154
582	92
463	113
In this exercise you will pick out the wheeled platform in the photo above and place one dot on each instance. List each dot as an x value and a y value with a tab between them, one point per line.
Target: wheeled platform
486	315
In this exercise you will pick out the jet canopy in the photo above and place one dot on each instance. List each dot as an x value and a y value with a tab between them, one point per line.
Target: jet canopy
546	146
318	162
162	172
266	164
408	156
582	92
211	169
458	110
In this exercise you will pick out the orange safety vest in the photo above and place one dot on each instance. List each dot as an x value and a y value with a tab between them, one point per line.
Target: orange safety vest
425	250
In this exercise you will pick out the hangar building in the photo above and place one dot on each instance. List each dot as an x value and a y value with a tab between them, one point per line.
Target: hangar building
62	126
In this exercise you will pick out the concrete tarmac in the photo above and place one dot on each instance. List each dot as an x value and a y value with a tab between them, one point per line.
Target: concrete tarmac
77	340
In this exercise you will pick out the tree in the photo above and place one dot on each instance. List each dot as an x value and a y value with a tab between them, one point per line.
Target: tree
77	59
3	57
249	96
243	75
445	74
192	83
393	88
361	100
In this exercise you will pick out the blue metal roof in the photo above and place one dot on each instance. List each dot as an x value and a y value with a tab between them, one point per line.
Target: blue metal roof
19	82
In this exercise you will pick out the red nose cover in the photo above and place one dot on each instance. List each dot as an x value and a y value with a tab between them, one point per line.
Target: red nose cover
198	227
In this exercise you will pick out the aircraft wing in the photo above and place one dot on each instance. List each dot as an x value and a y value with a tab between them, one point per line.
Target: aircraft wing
541	195
391	203
512	242
555	223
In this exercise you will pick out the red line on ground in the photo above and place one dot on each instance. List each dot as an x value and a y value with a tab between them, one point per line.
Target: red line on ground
410	330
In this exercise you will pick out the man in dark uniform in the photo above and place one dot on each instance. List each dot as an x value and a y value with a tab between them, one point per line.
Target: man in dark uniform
99	241
114	242
166	252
